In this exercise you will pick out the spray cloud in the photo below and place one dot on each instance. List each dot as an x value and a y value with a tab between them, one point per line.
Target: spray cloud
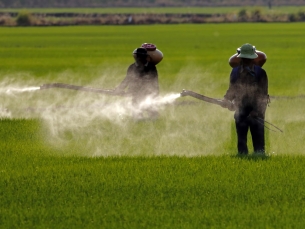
74	116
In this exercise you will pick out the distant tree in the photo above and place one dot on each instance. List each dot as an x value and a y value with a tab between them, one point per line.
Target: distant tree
242	15
301	16
257	15
24	18
100	3
292	17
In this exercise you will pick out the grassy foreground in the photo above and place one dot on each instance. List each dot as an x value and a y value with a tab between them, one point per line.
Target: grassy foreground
64	165
150	192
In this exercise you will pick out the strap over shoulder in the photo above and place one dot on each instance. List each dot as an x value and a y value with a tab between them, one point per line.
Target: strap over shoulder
235	73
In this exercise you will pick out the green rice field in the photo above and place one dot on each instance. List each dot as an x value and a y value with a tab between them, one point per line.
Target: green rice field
74	159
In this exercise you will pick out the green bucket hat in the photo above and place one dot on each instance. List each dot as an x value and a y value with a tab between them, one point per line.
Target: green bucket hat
247	51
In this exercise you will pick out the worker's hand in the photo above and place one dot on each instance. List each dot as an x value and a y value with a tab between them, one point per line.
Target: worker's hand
224	103
228	104
231	107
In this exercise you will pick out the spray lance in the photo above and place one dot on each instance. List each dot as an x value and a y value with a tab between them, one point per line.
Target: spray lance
225	104
81	88
219	102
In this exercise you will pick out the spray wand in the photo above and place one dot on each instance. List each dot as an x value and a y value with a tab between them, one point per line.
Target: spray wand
81	88
226	104
219	102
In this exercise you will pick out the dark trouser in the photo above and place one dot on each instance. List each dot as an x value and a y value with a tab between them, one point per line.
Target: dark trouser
257	133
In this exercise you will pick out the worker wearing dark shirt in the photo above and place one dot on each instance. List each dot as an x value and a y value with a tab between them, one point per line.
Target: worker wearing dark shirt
248	90
141	82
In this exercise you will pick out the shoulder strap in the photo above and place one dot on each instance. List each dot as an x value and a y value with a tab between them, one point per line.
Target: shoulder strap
234	74
258	71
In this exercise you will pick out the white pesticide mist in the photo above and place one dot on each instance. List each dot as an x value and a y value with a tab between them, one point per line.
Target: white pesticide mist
83	109
12	91
91	124
75	117
159	102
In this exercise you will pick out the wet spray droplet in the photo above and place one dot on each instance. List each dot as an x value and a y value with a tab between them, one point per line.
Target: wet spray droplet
13	90
159	101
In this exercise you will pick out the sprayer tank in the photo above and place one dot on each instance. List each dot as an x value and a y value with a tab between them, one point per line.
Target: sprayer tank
234	61
155	55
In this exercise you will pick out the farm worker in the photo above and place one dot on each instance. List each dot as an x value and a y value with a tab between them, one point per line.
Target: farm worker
141	82
248	90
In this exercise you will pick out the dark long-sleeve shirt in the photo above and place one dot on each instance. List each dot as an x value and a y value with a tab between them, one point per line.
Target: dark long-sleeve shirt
248	89
141	81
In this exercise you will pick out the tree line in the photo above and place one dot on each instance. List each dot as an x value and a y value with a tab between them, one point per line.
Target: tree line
142	3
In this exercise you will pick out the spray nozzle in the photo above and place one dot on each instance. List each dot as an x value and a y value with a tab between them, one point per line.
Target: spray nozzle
46	86
184	93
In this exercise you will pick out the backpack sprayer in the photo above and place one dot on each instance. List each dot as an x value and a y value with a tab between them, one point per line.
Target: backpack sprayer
260	60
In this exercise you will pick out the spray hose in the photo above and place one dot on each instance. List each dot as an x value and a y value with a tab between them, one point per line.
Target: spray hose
264	122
